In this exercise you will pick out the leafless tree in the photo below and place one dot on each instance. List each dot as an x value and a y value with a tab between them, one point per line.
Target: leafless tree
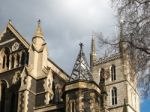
135	30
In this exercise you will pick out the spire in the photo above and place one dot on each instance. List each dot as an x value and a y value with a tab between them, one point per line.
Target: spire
92	52
81	70
125	109
38	31
121	36
93	48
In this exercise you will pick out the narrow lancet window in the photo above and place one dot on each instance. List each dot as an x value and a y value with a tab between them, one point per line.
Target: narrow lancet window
114	95
113	72
18	60
4	61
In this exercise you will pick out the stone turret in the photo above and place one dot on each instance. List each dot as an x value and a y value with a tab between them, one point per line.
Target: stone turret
81	93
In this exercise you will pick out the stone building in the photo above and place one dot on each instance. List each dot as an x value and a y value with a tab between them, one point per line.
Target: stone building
32	82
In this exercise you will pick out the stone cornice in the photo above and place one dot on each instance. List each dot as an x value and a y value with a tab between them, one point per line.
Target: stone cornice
82	85
49	107
106	59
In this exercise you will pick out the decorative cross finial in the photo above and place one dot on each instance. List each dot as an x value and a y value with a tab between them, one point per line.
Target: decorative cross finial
39	21
10	22
81	45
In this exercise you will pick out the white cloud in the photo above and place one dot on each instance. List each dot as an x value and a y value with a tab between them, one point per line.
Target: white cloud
65	23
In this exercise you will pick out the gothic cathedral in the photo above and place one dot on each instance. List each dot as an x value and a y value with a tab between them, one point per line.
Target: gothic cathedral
31	82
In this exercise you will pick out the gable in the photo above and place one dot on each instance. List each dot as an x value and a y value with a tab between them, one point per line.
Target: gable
11	35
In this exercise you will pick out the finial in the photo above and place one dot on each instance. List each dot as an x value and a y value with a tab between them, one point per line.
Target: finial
38	32
81	45
9	22
39	21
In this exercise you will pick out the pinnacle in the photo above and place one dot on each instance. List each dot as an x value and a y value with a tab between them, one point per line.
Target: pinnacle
93	49
38	31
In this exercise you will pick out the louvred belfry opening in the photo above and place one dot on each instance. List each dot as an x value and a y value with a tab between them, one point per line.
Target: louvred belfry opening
81	70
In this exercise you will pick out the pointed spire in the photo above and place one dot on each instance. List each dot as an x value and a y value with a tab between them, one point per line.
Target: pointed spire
93	48
121	36
125	109
92	52
81	70
38	32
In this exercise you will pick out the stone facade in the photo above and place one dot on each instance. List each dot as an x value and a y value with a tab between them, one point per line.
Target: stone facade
31	82
125	81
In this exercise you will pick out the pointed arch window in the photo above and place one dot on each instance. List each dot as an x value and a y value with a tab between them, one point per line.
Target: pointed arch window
24	58
57	97
4	61
113	72
114	95
12	61
18	60
6	57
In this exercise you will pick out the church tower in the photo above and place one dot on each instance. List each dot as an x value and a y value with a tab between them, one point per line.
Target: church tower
118	73
81	93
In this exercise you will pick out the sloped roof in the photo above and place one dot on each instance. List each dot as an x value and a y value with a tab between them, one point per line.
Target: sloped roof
81	70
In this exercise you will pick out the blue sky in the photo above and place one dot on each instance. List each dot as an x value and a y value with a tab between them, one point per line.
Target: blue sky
145	105
65	24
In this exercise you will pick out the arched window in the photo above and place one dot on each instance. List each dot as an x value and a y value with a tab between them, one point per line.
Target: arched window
18	60
57	97
114	95
113	72
3	87
4	61
14	96
12	61
24	58
102	76
6	57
